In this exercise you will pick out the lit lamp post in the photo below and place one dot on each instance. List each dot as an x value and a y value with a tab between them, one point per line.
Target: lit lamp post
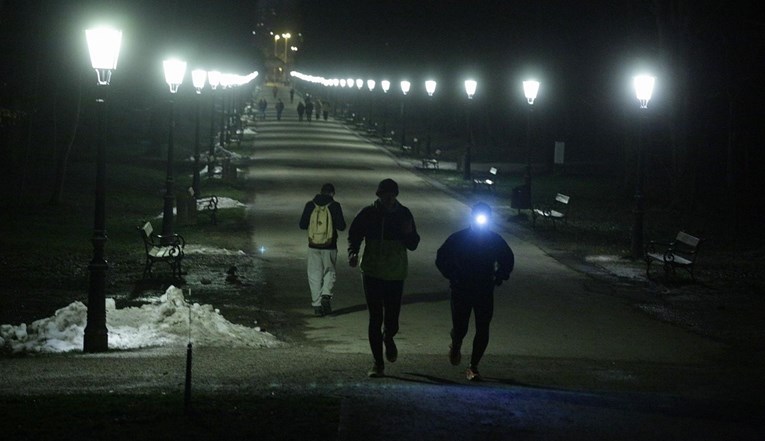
643	89
405	86
104	47
213	77
286	37
430	87
174	72
470	87
199	78
385	85
371	86
530	90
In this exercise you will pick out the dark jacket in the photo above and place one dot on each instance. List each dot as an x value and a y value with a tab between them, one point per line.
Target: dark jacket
475	259
385	241
335	210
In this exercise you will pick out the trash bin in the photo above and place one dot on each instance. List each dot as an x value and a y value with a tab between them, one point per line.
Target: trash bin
520	199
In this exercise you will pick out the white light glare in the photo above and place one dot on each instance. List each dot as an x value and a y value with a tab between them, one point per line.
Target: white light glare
430	87
643	89
530	89
470	87
174	71
104	47
481	219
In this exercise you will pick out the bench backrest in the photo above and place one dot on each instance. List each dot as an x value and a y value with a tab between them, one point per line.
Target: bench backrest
145	231
562	198
493	171
686	245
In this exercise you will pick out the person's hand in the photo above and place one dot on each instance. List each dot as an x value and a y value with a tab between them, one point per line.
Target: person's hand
353	260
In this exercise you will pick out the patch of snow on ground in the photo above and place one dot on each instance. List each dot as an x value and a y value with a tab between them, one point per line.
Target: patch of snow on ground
163	322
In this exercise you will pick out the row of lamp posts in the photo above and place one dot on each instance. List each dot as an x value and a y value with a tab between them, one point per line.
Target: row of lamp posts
104	48
643	85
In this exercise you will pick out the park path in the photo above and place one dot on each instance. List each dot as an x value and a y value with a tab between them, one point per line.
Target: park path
545	310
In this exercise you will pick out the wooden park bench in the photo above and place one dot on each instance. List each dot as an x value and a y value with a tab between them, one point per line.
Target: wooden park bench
487	180
558	211
680	253
209	205
388	139
430	163
162	249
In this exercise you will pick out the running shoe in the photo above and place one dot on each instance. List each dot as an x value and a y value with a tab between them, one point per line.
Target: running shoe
326	304
472	374
377	371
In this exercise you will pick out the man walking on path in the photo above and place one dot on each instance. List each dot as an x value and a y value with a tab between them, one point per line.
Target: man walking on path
388	230
300	110
475	260
323	218
279	109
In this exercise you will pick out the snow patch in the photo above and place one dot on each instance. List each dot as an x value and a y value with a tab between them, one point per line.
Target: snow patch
163	322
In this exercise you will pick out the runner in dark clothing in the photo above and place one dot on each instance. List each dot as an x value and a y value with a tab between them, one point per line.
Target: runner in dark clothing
475	260
387	229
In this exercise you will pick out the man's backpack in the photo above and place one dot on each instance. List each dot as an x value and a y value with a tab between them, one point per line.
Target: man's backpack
320	229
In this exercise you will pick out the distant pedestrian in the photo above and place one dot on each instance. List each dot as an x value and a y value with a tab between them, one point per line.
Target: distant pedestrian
387	229
325	109
308	109
475	260
262	106
292	95
323	218
279	109
275	91
318	110
300	110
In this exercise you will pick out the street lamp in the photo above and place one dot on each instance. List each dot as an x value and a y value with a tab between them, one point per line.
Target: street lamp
430	87
385	85
530	90
213	77
104	47
286	37
405	86
643	90
370	101
174	71
470	88
198	78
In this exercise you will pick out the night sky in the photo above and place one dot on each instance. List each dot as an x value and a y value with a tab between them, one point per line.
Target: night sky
556	40
584	53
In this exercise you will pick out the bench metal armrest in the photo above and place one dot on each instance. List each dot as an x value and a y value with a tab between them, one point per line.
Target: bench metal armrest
177	240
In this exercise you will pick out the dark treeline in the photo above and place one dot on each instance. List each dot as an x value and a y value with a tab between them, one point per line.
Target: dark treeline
701	132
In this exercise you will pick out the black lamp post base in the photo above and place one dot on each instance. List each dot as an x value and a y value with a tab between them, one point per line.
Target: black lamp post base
96	340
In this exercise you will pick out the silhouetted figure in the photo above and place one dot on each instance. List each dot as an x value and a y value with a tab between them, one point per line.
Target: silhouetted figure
308	109
323	218
475	260
387	229
279	109
300	110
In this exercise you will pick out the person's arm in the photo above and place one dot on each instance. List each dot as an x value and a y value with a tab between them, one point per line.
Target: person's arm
337	216
410	237
305	219
444	259
505	260
357	231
